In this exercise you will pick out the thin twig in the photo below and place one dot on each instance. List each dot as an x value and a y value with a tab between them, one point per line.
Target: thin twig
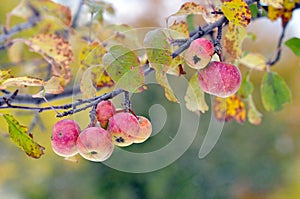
279	48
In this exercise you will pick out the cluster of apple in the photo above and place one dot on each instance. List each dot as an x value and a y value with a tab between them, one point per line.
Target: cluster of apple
116	127
215	77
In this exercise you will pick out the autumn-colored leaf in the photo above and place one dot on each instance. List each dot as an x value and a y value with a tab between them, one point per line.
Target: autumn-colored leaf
91	54
234	38
285	12
190	8
47	8
53	85
254	61
93	78
194	96
21	81
162	79
56	51
237	12
254	116
229	108
4	75
274	92
273	3
19	135
181	27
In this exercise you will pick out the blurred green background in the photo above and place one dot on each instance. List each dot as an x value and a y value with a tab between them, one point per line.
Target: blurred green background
248	161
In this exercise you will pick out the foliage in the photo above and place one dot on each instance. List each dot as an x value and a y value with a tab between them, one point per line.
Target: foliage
112	59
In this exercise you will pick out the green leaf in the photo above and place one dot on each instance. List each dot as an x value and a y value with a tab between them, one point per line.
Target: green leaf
274	91
294	45
246	87
18	134
194	96
159	53
122	65
158	48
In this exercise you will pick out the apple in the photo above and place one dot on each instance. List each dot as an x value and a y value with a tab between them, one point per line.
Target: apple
199	53
104	110
145	130
123	127
95	144
64	136
220	79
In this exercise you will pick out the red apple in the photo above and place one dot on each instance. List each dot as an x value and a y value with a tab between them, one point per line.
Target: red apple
145	130
123	127
105	109
220	79
64	136
94	144
199	54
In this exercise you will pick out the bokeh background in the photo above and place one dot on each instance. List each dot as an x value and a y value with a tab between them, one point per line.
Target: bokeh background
248	161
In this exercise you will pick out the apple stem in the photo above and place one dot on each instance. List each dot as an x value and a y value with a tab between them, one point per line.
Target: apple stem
217	45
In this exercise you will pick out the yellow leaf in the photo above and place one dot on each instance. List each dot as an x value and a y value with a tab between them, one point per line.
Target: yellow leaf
56	51
194	97
254	116
94	77
237	12
180	27
285	12
234	38
4	75
19	135
273	3
21	81
254	61
91	54
53	85
229	108
190	8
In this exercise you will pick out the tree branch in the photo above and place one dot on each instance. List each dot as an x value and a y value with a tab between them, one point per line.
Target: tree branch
32	21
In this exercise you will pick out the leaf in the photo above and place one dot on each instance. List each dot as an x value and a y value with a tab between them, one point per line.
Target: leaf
194	96
237	12
273	3
4	75
94	77
162	79
159	53
254	61
181	27
190	8
56	51
53	86
18	134
21	81
158	48
234	38
246	87
47	8
229	108
123	65
285	12
254	116
91	54
294	45
274	92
